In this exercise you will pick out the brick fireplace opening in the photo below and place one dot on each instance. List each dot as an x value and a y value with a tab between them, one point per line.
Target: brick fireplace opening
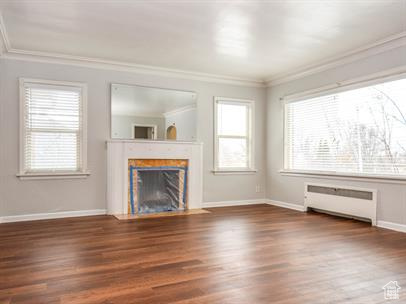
157	185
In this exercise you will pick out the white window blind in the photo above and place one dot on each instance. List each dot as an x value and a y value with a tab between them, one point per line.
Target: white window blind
233	134
52	128
358	131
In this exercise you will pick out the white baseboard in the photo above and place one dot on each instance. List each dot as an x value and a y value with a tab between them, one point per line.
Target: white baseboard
234	203
64	214
286	205
53	215
381	224
253	202
392	226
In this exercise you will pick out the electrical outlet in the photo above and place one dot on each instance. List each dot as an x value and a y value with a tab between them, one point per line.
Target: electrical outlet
258	188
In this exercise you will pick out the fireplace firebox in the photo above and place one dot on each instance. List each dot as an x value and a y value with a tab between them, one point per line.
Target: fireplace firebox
157	186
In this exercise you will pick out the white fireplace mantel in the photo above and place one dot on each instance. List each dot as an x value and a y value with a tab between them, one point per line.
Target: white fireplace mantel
120	151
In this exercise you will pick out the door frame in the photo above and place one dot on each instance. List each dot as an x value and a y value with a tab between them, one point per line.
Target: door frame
144	125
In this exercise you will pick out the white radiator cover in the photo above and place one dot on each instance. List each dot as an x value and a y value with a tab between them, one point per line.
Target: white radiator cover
357	207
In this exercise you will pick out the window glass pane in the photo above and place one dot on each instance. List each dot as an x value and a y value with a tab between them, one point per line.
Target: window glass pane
357	131
232	119
233	153
51	151
53	109
53	128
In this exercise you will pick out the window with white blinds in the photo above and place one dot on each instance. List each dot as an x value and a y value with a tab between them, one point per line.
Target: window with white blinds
361	131
53	128
233	134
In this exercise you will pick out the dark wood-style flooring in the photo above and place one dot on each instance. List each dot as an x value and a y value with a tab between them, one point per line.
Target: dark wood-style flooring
247	254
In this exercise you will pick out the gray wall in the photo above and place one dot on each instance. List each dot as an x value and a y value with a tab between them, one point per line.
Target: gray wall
122	125
185	123
391	197
36	196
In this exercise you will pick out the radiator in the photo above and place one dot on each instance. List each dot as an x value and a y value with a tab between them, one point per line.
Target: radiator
349	201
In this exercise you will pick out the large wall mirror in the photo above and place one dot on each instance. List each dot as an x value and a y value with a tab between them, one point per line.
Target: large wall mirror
139	112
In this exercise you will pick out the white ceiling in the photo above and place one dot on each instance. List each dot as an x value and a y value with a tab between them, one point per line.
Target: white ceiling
247	39
150	102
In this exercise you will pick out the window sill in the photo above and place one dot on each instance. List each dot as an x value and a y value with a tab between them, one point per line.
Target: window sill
64	175
234	172
392	179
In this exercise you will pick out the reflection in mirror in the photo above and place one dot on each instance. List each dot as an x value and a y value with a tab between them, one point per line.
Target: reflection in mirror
151	113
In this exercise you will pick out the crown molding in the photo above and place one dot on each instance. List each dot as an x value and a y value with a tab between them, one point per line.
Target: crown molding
370	79
380	46
179	110
8	52
134	114
4	41
375	48
2	47
56	58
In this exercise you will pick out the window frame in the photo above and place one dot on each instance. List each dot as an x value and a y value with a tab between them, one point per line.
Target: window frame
52	174
335	88
250	138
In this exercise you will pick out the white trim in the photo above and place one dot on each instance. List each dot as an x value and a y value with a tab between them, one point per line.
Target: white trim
297	207
144	125
55	58
53	215
179	110
392	226
250	137
61	175
286	146
253	202
67	214
83	138
234	172
286	205
234	203
343	86
3	49
47	82
390	179
98	63
377	47
380	46
4	41
169	142
380	224
350	84
133	114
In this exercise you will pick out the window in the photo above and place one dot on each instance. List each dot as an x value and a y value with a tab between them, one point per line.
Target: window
53	128
360	131
233	135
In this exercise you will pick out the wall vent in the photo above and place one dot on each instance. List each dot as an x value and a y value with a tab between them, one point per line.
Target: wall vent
366	195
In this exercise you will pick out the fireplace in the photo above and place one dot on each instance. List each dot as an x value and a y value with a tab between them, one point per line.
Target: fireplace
157	185
180	162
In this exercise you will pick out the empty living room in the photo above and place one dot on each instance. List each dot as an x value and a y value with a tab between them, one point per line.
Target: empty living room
202	151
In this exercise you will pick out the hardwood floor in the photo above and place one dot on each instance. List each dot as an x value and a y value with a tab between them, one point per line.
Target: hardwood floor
246	254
